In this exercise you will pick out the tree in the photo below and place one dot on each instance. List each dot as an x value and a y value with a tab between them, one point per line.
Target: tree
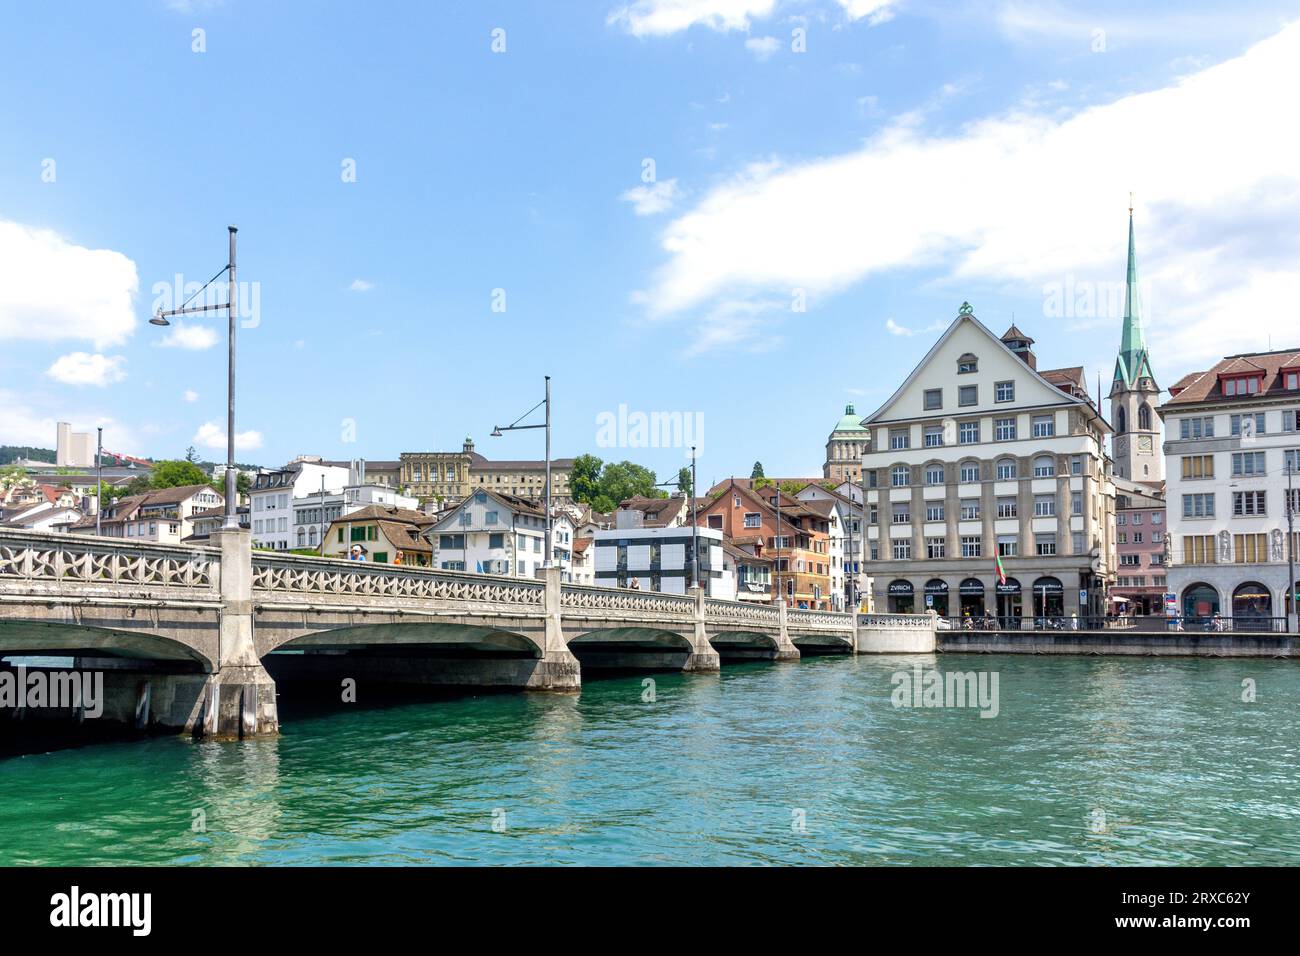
584	479
622	480
136	486
191	455
761	482
684	481
757	472
173	474
243	484
792	488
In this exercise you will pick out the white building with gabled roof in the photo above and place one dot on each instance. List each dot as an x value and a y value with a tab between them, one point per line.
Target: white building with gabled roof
980	456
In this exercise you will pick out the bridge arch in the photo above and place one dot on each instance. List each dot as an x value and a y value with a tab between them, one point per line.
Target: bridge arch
21	637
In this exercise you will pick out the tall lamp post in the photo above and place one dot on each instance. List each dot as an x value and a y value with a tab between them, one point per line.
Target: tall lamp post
695	538
231	522
498	430
99	483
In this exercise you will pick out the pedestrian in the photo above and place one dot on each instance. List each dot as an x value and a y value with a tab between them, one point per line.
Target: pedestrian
397	558
634	583
356	553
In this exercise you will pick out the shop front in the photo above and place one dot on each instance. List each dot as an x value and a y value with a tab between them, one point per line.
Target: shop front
971	593
902	597
1009	603
936	596
1049	602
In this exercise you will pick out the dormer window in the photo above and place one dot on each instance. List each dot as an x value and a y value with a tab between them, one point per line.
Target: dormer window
1237	385
1291	379
967	363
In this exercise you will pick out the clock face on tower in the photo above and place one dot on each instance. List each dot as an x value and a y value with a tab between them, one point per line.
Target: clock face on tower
1144	443
1121	445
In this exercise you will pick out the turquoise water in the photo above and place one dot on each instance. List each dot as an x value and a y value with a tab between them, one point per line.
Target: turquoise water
1089	761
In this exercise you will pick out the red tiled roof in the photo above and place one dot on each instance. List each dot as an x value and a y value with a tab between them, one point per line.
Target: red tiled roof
1205	387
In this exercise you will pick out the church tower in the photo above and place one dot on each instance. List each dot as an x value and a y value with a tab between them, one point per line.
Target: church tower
1134	393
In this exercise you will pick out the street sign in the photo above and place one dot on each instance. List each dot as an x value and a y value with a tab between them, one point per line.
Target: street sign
929	600
1083	595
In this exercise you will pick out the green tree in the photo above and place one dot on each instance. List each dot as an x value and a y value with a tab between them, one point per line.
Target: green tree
761	482
622	480
243	484
136	486
173	474
757	471
684	481
191	455
792	488
584	479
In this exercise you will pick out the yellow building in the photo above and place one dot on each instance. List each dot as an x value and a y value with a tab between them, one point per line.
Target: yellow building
381	532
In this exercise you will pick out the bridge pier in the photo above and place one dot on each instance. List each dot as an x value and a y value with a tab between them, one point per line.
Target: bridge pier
557	669
785	649
239	698
704	656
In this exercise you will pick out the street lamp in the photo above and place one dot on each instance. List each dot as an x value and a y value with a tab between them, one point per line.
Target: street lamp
498	430
695	543
231	522
1290	541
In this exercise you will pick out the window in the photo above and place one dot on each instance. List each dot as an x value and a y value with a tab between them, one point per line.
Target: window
898	438
933	399
715	522
451	541
1076	503
899	476
967	363
934	512
970	472
496	540
1248	504
934	474
1044	467
1137	537
1045	544
1197	466
1130	560
1004	429
1247	463
1006	469
1249	548
902	549
1247	424
1076	542
1004	392
1122	537
1291	381
491	517
1198	506
1044	506
968	433
902	513
752	519
933	436
1044	426
1245	385
971	546
1196	427
1008	546
970	509
968	395
1198	549
1007	508
934	548
1076	465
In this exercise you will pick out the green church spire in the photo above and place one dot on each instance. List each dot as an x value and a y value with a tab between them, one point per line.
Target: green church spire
1133	361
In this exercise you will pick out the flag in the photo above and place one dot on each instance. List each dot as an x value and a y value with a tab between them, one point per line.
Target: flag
1002	572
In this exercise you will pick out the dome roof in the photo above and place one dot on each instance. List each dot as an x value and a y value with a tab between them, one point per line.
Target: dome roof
851	422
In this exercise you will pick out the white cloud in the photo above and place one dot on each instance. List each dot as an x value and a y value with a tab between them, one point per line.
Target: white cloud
895	329
191	395
875	11
211	435
51	289
194	338
24	425
762	47
82	368
361	285
1024	199
664	17
647	200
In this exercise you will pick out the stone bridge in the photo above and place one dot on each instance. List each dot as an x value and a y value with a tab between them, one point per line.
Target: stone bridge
191	636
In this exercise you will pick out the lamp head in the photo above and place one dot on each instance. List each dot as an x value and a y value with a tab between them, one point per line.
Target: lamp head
496	432
158	320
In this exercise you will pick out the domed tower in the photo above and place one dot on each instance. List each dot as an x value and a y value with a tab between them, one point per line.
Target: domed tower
848	442
1134	393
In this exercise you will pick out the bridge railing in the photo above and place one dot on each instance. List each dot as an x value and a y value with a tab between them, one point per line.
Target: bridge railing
296	574
720	611
821	620
38	557
587	597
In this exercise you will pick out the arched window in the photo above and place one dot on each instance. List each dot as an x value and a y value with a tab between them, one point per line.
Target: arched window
1044	466
1121	421
1252	606
969	472
1144	417
1200	600
967	363
1006	469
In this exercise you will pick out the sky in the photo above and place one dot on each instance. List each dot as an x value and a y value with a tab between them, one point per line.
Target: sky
737	214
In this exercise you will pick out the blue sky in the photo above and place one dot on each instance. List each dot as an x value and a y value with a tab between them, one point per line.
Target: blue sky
876	162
